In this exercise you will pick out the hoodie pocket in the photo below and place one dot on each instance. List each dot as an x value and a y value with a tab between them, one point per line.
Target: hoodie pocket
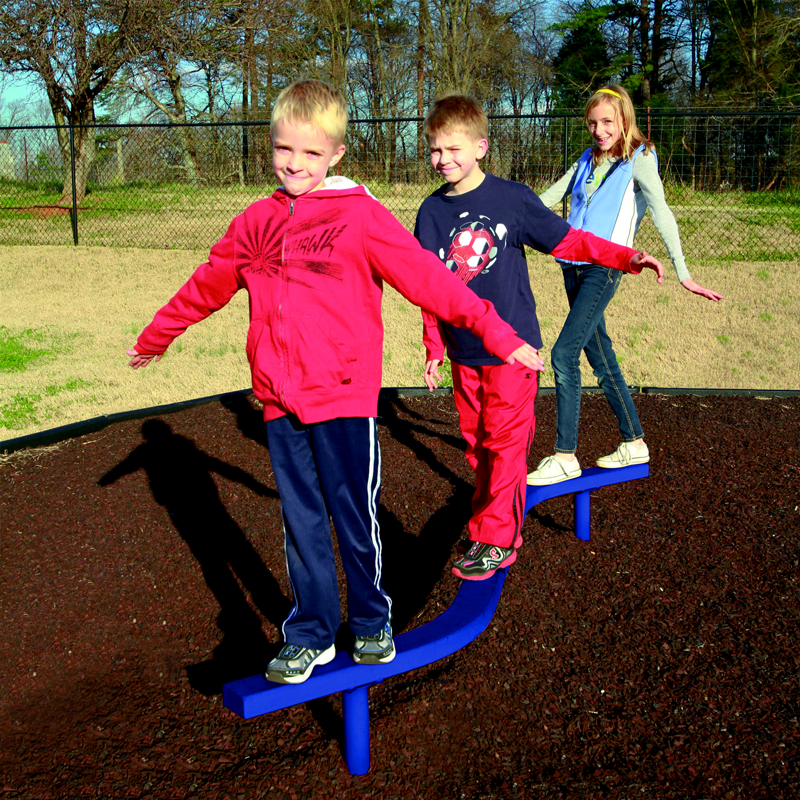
264	358
320	361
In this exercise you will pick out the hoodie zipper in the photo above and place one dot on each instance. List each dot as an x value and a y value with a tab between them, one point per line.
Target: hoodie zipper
280	307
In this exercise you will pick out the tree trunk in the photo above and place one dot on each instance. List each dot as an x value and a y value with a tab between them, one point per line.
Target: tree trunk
422	38
84	147
177	114
647	53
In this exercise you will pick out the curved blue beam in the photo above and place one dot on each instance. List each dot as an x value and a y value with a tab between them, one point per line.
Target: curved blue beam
463	621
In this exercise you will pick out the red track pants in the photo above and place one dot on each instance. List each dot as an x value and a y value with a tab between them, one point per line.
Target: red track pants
496	412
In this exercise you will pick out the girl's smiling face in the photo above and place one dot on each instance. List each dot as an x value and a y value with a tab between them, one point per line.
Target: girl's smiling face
604	127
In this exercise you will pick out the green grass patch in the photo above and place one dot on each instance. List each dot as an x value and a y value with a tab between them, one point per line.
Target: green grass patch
214	352
53	389
20	411
754	254
780	200
446	371
18	350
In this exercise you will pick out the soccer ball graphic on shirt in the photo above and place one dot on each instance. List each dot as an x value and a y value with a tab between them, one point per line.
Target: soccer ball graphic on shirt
471	250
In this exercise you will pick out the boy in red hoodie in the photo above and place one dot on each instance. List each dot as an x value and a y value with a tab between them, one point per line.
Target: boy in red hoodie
313	258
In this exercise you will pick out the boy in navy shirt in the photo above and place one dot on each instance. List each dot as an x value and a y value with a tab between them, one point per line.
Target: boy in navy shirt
479	225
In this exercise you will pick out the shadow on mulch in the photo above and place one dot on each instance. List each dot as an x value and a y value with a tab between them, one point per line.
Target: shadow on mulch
142	566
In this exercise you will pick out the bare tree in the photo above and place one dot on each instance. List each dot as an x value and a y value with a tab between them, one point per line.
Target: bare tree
461	39
75	47
164	60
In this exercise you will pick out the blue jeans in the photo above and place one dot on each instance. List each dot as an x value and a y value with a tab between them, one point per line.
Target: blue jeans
589	290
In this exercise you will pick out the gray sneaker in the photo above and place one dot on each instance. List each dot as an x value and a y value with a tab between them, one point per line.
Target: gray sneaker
377	649
481	561
294	664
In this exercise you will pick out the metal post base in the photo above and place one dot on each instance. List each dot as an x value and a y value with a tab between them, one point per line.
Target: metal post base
355	710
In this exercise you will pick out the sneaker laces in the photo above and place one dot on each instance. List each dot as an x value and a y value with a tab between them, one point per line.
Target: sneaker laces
624	453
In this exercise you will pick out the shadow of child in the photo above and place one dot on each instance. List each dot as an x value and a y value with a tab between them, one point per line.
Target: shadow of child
180	478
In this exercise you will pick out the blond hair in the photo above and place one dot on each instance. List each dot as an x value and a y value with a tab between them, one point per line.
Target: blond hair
456	112
619	99
315	103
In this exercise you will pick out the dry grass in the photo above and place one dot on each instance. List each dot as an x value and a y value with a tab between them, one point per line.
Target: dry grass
83	307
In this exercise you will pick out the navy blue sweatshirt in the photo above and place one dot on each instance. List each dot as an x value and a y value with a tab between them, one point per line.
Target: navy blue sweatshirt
481	236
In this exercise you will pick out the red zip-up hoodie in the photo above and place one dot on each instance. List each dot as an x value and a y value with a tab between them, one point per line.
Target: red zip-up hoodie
314	268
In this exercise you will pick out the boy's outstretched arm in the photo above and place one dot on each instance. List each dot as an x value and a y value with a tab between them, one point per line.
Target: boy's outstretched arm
585	247
142	360
528	356
644	260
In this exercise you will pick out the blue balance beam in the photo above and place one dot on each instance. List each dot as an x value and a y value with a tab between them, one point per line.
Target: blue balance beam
463	621
589	480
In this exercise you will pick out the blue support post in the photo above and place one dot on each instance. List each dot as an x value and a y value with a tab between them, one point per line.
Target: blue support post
355	710
464	620
583	516
589	480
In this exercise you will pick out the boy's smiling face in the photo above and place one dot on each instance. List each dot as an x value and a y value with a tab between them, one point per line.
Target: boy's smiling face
301	155
455	156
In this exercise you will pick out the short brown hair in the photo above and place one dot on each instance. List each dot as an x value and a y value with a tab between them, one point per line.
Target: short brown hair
313	102
456	112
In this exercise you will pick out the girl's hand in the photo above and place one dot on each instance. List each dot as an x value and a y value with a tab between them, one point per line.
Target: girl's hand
432	376
140	360
651	263
694	287
527	355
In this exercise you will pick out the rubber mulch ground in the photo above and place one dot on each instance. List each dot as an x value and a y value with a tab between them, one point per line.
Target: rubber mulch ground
142	566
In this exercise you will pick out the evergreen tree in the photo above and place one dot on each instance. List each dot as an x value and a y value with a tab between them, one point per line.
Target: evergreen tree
582	62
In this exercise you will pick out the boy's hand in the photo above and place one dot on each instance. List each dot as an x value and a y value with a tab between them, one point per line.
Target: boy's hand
140	360
432	376
527	355
650	263
694	287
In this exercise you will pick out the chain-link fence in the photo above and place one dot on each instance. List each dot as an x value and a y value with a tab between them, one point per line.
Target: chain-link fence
732	179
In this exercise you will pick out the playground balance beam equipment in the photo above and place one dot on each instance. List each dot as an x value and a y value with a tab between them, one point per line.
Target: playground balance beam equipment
461	623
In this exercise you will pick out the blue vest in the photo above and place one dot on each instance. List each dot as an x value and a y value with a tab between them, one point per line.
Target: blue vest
614	211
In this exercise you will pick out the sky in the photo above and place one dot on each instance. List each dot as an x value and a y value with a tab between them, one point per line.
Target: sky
23	102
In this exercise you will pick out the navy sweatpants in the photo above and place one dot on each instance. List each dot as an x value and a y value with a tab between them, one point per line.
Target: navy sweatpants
329	471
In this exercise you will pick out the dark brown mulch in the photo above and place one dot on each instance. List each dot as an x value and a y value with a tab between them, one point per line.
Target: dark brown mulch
142	566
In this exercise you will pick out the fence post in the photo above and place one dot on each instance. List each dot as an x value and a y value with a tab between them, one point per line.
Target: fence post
74	212
566	164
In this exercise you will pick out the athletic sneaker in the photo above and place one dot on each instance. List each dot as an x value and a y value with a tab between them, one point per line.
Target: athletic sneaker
553	470
377	649
627	453
465	544
482	560
294	664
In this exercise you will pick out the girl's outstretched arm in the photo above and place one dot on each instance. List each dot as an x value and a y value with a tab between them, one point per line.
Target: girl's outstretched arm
693	286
